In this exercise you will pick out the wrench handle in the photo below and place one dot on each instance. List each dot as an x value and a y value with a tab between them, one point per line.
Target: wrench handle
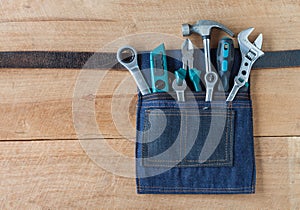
140	80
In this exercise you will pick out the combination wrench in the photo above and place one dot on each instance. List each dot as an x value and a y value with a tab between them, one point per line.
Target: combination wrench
127	56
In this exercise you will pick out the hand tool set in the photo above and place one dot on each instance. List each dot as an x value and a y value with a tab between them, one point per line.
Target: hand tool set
191	145
160	77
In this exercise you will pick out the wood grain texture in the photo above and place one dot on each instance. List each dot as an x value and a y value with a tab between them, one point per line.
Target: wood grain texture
58	174
37	103
88	25
50	170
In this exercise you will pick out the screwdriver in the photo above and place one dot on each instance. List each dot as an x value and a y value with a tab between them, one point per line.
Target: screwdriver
225	58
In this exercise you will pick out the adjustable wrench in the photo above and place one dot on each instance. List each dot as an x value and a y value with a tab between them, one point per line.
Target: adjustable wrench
250	53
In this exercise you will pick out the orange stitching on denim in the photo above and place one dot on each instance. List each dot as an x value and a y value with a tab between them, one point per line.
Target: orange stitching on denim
200	188
177	110
219	160
226	143
180	140
232	126
148	98
228	115
212	190
191	107
166	165
191	114
155	97
143	142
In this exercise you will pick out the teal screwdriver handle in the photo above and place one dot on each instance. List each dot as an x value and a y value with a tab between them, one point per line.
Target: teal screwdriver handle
225	59
194	75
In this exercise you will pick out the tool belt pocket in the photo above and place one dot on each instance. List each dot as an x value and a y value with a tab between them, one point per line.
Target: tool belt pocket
183	136
194	146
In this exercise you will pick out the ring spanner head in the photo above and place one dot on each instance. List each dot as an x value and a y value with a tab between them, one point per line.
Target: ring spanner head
127	56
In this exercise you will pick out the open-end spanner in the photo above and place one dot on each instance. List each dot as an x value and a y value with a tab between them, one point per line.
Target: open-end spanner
179	89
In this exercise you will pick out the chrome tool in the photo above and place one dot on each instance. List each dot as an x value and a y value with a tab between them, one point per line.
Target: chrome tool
127	56
250	52
203	28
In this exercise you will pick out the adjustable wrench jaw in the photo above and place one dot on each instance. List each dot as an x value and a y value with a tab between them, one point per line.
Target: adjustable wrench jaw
246	46
250	52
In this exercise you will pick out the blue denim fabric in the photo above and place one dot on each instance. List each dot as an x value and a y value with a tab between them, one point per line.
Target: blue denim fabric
193	147
187	129
229	169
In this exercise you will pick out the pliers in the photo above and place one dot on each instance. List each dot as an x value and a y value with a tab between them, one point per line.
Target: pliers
187	51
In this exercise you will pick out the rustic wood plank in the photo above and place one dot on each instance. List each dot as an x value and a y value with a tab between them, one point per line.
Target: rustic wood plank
88	25
276	97
37	103
58	174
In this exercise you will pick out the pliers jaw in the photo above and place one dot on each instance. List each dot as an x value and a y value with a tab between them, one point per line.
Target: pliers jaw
187	51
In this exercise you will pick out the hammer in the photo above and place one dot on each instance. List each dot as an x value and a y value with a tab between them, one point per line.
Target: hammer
203	28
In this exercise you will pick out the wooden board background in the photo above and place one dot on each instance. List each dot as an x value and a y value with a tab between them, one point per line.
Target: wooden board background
42	163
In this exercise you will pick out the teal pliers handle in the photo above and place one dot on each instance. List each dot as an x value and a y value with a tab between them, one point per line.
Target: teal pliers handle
195	78
180	75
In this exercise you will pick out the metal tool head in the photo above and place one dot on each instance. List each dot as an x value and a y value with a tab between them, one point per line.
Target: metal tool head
187	51
246	45
127	56
203	27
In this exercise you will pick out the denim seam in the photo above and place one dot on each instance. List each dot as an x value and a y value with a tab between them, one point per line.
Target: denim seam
219	162
153	97
180	155
232	127
143	140
192	107
226	143
250	190
182	189
190	165
204	188
189	189
187	111
198	98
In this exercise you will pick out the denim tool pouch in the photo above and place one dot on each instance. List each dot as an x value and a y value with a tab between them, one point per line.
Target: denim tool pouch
194	147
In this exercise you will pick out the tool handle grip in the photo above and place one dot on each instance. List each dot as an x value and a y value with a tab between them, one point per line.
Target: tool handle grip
180	75
225	59
194	75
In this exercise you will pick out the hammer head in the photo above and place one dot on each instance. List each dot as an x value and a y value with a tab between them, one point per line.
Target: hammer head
203	28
